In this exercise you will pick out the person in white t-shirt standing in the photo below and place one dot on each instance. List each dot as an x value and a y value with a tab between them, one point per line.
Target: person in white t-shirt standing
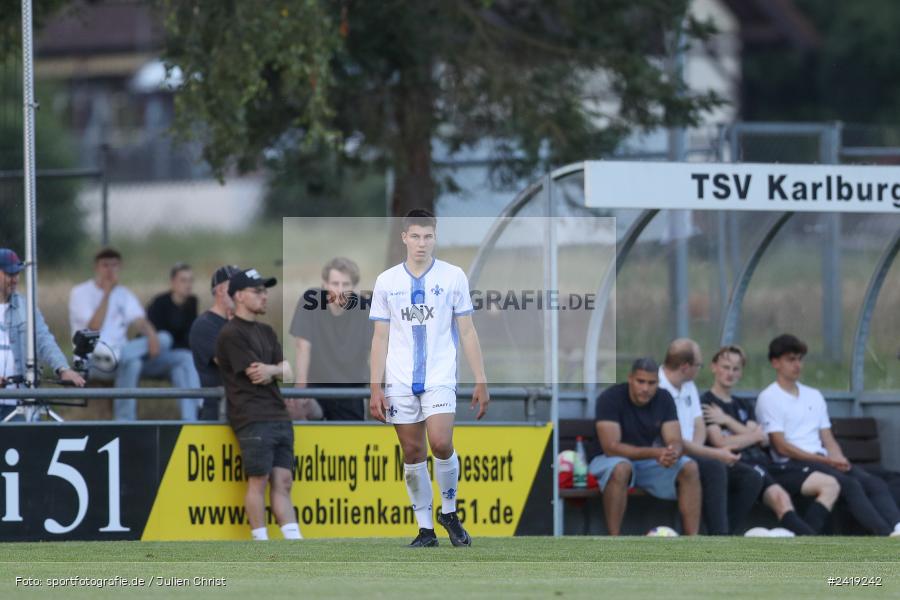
729	487
103	304
423	312
795	417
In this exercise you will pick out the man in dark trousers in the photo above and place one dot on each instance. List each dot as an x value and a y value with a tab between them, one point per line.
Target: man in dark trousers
251	360
203	334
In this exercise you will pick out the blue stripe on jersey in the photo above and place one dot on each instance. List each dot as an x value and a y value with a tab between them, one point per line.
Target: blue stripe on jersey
420	356
420	333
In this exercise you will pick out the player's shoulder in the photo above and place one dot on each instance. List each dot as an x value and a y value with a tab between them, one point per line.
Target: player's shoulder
389	274
770	392
806	390
82	288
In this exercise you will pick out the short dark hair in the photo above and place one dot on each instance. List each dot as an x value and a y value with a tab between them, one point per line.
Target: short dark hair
178	268
786	344
645	363
342	265
107	252
732	349
420	217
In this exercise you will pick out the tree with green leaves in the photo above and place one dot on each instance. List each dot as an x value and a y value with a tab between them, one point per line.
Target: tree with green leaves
546	82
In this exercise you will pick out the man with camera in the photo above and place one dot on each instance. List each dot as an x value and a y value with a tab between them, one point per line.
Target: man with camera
13	336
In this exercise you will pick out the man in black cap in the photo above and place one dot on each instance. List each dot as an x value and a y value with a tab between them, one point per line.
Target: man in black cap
251	360
203	334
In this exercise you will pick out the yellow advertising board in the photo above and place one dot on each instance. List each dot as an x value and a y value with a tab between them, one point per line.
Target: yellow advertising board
348	482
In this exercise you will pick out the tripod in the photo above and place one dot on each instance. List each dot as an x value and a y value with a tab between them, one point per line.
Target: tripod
32	409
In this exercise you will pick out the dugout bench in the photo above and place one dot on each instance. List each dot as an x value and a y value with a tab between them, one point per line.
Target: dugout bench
858	438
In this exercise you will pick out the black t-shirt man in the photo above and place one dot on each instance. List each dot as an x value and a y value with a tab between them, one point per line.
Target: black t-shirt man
204	333
240	344
339	353
177	320
640	425
741	410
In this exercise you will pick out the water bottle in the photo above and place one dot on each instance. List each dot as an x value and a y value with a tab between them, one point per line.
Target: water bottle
579	469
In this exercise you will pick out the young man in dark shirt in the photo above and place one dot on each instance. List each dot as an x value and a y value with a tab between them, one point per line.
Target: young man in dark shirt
202	338
332	336
731	423
251	360
638	429
174	311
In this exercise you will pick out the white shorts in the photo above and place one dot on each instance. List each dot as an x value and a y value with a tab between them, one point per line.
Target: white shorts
404	410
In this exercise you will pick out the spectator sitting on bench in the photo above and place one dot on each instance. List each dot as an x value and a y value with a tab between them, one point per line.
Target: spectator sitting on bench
102	304
795	418
731	423
729	487
637	427
175	311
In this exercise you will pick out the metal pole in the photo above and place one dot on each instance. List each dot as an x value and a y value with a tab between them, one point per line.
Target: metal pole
30	182
104	191
552	366
832	313
679	221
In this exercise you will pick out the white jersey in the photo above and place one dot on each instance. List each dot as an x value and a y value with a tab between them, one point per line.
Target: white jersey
422	348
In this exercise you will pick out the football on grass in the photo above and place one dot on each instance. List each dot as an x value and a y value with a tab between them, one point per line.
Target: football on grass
662	531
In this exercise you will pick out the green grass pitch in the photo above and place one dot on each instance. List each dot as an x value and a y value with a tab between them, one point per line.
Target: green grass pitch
571	567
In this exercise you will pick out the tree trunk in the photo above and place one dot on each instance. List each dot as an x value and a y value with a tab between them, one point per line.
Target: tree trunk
414	185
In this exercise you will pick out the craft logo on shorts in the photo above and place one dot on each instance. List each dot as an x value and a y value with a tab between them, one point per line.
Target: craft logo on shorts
418	312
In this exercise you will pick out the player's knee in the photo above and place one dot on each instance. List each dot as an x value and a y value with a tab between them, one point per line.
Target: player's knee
689	473
781	500
621	474
826	488
442	448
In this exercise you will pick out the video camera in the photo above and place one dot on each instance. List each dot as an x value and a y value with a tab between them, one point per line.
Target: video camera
84	340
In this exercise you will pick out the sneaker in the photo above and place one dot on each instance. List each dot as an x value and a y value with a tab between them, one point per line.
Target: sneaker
781	532
458	535
757	532
426	539
896	532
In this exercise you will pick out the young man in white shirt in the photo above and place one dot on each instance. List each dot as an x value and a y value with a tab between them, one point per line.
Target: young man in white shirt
101	303
422	312
729	487
795	418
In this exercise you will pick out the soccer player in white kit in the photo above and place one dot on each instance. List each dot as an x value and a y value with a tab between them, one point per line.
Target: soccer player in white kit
423	313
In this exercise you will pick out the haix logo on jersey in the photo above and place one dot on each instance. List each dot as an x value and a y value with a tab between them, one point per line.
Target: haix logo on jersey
417	312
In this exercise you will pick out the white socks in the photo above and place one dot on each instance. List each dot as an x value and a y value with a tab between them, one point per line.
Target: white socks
446	471
291	531
418	486
259	534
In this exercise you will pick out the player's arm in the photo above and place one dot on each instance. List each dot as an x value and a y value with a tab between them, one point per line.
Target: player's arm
835	453
149	331
377	360
697	446
610	435
303	350
468	338
732	442
785	448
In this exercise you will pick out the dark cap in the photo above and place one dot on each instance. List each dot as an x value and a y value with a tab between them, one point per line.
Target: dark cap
223	274
9	262
248	278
